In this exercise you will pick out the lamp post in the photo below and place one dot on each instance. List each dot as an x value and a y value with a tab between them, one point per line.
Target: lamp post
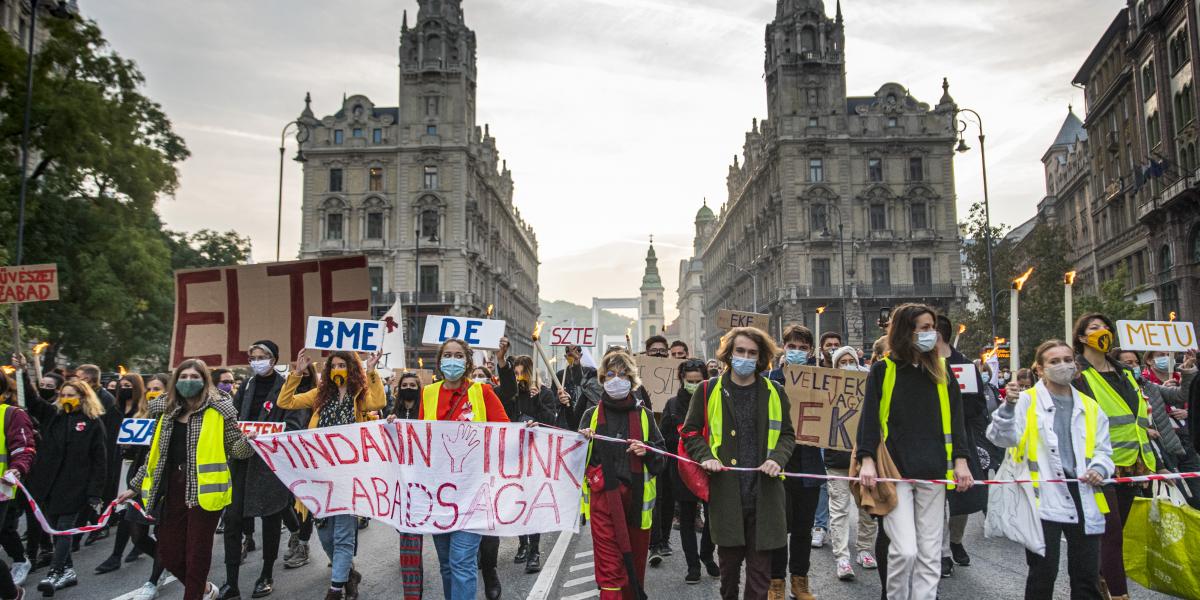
302	134
987	211
842	251
64	10
417	268
753	283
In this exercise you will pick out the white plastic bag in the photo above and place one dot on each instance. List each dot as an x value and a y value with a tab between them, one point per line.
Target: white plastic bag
1012	509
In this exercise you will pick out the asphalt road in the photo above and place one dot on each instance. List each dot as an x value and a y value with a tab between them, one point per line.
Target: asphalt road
997	572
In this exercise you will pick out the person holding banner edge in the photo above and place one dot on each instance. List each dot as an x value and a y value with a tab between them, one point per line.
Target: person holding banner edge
347	394
18	441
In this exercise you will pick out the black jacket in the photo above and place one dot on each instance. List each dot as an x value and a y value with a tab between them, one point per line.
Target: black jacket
260	492
111	420
72	459
521	406
673	416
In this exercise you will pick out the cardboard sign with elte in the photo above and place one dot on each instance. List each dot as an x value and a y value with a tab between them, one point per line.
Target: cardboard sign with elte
1164	336
729	319
482	334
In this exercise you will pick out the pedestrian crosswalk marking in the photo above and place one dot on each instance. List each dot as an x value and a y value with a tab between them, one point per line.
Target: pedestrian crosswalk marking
580	567
577	581
584	554
582	595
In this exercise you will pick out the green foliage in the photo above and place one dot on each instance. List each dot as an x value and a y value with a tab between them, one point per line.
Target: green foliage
207	248
1113	300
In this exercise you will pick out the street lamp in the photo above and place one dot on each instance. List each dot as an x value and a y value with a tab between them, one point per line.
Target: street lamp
417	267
842	251
62	9
753	283
987	212
302	134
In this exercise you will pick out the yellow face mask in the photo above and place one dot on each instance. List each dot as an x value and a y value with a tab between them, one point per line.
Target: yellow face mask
151	396
69	405
1101	340
338	377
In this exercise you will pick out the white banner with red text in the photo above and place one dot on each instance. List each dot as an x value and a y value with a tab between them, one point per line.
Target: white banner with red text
500	479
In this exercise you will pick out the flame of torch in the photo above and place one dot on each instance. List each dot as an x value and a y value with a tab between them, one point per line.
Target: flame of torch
1172	315
820	310
420	363
8	370
1069	278
40	348
537	331
121	370
962	328
489	310
1019	282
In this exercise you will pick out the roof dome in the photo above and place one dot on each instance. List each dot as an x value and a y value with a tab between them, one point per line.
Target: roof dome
705	213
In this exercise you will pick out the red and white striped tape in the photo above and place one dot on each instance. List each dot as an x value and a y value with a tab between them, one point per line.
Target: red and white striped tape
101	523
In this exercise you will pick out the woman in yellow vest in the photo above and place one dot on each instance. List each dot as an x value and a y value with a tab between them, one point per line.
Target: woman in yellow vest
457	398
621	480
912	406
1062	434
346	394
1116	390
185	481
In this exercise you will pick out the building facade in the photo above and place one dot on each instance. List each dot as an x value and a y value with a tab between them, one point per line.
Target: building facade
846	202
653	319
690	325
420	189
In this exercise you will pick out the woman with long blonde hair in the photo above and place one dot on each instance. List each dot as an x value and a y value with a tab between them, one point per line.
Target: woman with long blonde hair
68	477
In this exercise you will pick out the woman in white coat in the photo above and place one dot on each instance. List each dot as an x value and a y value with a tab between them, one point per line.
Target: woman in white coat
1061	434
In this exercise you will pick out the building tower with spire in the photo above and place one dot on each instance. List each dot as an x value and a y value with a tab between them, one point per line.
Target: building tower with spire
652	289
841	201
690	293
420	188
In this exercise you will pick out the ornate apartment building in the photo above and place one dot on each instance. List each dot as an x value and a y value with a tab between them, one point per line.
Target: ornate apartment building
836	201
420	189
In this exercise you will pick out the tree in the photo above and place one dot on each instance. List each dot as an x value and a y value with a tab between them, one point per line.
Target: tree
103	155
1113	300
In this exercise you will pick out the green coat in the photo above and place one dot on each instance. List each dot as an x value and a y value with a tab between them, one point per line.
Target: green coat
725	496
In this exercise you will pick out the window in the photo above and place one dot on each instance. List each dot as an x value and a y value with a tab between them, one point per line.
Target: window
335	180
429	225
356	132
1196	245
874	169
813	122
377	136
429	279
1170	298
922	274
431	130
891	122
431	106
337	137
375	274
1153	135
1149	81
653	307
821	279
916	168
375	179
374	226
819	217
431	178
1177	51
1165	261
919	215
333	226
816	170
653	330
878	217
881	275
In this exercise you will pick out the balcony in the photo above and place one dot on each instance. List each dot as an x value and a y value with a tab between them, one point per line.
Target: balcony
923	235
906	291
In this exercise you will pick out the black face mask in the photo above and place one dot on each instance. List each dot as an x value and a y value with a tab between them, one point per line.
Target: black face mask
47	394
124	394
407	394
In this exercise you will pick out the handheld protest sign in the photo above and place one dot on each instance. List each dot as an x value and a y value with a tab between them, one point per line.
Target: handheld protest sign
1165	336
660	377
730	319
352	335
484	334
573	336
968	378
136	432
28	283
826	405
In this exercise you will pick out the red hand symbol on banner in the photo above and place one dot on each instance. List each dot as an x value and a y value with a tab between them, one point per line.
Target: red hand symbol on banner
391	324
459	447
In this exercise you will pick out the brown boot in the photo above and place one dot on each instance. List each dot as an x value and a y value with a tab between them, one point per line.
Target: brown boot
800	588
777	591
333	594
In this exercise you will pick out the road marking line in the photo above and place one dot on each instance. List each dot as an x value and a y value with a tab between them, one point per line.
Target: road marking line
584	554
545	580
575	582
580	567
129	595
582	595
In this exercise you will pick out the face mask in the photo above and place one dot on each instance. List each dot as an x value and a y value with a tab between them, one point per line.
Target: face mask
1062	373
796	357
714	372
570	360
481	380
744	367
47	394
986	377
453	368
260	367
125	394
151	396
1162	363
617	388
926	340
407	395
690	388
338	377
1101	340
69	405
189	388
225	387
1137	375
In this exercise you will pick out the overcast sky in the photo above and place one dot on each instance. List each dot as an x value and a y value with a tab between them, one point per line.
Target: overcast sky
617	117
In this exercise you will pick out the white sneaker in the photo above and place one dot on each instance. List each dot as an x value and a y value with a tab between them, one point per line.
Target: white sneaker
148	591
20	571
867	560
845	572
818	537
210	592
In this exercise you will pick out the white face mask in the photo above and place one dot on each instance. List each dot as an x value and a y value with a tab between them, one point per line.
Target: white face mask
617	388
481	380
1062	373
926	340
261	366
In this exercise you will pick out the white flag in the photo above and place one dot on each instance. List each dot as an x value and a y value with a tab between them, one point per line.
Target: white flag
393	338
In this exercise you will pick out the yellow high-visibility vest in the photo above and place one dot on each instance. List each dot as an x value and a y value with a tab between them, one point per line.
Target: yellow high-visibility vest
1127	431
430	395
649	482
215	487
716	423
7	489
885	410
1027	448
